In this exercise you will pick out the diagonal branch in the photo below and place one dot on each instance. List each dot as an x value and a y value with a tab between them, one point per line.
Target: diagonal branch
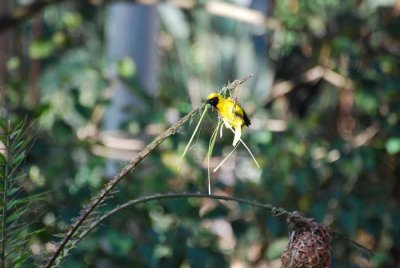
97	200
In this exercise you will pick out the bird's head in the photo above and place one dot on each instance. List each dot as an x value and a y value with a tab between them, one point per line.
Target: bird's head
213	99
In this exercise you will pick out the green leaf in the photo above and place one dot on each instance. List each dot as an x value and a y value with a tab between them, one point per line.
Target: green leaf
41	49
19	132
19	207
15	133
3	127
18	176
18	159
3	138
393	145
72	20
3	160
14	203
21	259
126	67
16	215
13	191
13	63
17	145
59	38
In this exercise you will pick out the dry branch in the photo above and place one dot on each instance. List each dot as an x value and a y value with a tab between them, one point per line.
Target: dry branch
306	241
101	196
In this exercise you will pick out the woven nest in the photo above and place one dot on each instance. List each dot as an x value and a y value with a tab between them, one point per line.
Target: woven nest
309	244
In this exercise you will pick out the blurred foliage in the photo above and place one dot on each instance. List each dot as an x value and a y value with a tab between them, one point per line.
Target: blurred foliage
329	145
16	206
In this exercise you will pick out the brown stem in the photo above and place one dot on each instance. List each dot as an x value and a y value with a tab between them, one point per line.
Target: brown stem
276	210
293	217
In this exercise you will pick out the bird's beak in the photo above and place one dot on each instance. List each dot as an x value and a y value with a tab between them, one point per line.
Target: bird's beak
212	101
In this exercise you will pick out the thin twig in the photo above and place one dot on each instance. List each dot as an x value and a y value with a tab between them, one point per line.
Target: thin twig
97	200
243	80
209	153
348	240
149	198
226	90
276	211
226	158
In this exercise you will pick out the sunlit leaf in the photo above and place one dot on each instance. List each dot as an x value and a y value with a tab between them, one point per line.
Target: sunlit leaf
13	63
41	49
126	67
393	145
72	20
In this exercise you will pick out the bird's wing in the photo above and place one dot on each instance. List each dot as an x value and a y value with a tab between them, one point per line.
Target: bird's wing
246	119
240	112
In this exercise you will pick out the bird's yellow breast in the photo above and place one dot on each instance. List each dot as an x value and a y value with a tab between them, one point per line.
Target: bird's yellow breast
227	110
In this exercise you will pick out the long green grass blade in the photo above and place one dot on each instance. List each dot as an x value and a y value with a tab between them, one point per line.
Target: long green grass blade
251	154
12	217
14	190
248	149
209	153
18	144
17	160
193	135
16	133
226	158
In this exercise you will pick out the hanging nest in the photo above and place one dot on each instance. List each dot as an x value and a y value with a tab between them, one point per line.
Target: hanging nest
309	244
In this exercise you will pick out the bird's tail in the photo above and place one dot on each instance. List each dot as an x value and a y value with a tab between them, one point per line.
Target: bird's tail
238	134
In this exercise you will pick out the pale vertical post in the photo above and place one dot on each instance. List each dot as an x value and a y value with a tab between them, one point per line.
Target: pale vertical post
131	31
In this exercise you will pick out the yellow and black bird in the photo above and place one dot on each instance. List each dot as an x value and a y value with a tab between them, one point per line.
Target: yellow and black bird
231	113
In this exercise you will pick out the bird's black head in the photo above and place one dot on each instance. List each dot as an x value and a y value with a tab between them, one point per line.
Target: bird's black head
213	101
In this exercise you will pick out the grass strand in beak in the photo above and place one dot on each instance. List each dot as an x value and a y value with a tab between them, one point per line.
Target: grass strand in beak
193	135
209	153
